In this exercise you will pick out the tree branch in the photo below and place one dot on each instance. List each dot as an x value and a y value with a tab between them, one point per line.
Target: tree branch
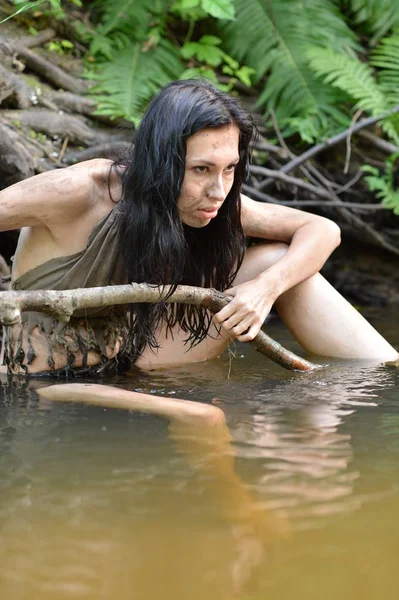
295	181
299	160
387	147
62	304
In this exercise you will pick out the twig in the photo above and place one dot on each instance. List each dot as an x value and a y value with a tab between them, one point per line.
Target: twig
319	203
311	172
349	217
299	160
64	147
278	132
322	178
348	140
350	183
383	145
255	193
287	149
264	146
296	181
64	303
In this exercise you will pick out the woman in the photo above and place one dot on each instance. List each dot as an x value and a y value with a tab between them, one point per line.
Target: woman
171	212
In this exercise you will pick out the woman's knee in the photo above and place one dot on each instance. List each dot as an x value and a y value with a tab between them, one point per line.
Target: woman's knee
259	258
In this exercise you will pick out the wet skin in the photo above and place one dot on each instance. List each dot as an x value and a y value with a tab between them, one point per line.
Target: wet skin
283	271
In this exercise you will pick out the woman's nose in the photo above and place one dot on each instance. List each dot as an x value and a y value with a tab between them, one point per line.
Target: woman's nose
216	190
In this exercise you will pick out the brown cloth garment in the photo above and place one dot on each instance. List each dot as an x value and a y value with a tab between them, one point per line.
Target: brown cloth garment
99	264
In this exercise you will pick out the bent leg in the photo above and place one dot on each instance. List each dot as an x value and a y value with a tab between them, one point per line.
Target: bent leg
322	321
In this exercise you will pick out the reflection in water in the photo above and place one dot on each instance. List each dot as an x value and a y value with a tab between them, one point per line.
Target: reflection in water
101	504
298	434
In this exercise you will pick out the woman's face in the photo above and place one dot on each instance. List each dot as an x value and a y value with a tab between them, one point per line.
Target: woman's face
211	159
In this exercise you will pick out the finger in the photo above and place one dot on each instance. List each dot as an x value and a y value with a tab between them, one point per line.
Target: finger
250	334
242	327
224	314
235	320
230	292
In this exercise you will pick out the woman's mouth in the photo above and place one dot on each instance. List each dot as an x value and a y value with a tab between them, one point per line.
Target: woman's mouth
208	213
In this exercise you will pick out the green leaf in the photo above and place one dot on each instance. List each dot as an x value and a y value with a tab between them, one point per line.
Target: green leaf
220	9
209	54
210	40
187	4
233	64
188	50
244	74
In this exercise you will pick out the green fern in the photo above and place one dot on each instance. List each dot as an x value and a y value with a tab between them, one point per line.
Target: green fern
383	184
129	16
132	61
128	82
273	37
386	58
356	79
376	16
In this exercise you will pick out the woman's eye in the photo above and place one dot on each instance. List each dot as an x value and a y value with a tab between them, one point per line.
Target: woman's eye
231	168
201	169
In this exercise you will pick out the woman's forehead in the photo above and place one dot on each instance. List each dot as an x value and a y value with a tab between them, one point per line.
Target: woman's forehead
214	142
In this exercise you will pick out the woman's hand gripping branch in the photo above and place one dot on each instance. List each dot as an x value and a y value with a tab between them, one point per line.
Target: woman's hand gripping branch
243	317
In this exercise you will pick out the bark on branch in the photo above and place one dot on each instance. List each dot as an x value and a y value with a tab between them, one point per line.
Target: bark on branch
62	304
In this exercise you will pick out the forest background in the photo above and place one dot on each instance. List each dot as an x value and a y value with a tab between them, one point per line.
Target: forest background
321	78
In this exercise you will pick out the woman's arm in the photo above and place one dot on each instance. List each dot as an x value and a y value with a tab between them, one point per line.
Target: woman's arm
54	198
309	241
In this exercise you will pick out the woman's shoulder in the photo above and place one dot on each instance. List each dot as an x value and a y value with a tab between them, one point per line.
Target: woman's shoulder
105	179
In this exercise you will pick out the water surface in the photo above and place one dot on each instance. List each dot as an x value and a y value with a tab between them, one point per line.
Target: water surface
101	503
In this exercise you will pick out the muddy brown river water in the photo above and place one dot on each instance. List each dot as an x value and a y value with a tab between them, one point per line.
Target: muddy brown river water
101	503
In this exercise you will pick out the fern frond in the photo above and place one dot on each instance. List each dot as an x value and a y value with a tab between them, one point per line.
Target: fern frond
383	183
128	16
355	78
126	84
273	37
386	58
377	16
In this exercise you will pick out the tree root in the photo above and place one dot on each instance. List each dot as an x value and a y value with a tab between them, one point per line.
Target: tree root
47	69
56	124
19	158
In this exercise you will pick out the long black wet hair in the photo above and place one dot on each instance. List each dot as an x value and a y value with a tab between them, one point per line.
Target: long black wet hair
157	247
